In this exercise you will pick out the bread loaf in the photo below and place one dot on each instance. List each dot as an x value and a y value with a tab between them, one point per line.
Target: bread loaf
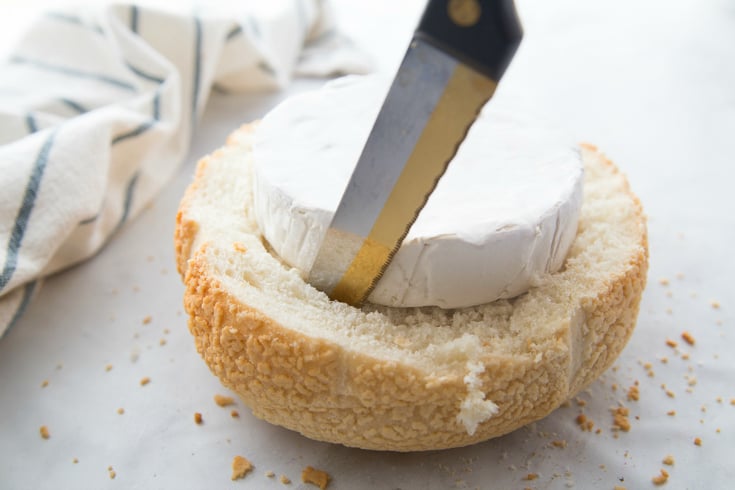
402	379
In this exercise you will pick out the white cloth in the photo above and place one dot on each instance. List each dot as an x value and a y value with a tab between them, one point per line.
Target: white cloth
97	108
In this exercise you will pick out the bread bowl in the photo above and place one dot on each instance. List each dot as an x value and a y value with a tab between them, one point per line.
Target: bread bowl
402	379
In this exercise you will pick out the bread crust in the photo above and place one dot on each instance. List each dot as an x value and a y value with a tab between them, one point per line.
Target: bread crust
333	393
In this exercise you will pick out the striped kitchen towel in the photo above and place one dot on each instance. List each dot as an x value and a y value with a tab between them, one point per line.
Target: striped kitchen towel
97	108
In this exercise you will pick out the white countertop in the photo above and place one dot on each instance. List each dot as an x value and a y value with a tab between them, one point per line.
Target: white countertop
651	83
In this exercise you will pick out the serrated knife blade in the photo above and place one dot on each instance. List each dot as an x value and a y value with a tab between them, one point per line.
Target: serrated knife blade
451	68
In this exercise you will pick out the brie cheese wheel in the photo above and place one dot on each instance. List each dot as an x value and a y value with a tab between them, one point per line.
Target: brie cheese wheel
502	216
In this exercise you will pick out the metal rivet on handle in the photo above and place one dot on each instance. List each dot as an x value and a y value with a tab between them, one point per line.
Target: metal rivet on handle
464	13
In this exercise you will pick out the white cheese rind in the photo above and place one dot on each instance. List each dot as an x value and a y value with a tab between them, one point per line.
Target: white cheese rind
503	215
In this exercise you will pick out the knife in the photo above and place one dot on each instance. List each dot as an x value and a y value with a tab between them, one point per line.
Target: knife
458	53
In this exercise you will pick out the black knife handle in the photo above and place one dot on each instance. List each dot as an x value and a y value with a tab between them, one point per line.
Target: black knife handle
483	34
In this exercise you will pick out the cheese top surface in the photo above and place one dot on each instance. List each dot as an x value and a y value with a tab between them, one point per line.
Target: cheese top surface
503	215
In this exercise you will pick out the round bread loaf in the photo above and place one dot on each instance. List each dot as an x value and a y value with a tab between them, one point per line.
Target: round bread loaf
402	379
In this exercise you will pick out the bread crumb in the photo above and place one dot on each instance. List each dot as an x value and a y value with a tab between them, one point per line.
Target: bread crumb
44	432
633	393
663	281
315	477
584	423
44	383
685	356
661	478
240	467
75	460
270	474
560	443
715	304
112	474
285	480
530	477
108	367
618	487
688	338
145	380
620	419
121	410
671	413
198	418
732	401
668	460
234	414
581	402
223	401
670	394
672	343
162	342
147	320
697	441
649	369
166	331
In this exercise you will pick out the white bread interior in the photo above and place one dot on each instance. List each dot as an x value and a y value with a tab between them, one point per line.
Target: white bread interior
402	379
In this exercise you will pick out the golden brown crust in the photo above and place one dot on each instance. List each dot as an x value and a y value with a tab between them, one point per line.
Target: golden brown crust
292	380
612	314
328	392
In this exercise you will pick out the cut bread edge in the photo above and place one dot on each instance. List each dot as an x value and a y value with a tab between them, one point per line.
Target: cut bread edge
388	392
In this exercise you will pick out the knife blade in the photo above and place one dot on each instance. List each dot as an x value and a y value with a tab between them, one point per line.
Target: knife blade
457	55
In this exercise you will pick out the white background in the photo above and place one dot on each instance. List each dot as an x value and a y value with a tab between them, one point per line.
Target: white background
651	82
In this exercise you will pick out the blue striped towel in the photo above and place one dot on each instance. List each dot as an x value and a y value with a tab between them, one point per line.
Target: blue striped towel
97	107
